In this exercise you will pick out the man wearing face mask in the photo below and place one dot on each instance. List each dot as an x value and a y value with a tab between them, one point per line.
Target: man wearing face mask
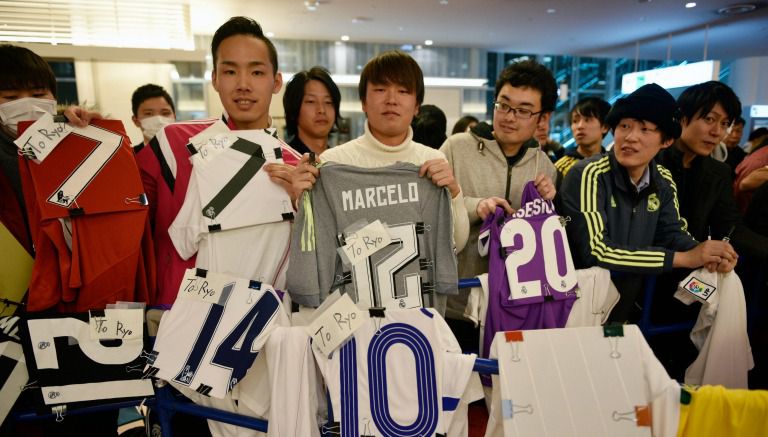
27	92
153	109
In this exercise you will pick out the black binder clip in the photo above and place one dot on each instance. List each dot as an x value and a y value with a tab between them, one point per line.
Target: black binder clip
214	228
376	312
96	313
201	273
613	330
76	212
254	285
685	397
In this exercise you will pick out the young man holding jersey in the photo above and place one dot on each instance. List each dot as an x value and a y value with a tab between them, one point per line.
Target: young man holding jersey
624	208
391	90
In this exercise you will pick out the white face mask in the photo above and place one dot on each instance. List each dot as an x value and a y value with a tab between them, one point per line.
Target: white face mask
151	125
26	108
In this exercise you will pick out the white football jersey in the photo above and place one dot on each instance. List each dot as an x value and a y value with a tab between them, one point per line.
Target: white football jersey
400	375
234	217
291	392
86	369
578	382
13	369
214	331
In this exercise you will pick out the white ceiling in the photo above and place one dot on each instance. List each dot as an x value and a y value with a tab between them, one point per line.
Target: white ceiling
606	28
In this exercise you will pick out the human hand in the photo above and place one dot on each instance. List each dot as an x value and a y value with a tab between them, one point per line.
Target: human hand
488	206
545	187
80	117
441	174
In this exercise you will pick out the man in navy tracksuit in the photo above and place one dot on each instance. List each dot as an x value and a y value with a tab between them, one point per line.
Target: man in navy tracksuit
623	207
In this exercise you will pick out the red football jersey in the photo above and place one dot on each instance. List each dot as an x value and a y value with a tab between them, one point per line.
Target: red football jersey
89	222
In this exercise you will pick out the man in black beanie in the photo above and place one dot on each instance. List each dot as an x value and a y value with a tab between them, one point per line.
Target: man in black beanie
623	207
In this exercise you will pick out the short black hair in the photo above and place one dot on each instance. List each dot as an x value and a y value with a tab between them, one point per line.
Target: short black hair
530	74
757	133
23	69
242	26
461	125
149	91
393	67
429	126
699	99
592	107
739	121
294	95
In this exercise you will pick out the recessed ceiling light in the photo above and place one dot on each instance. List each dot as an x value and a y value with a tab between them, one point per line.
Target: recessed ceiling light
443	2
428	42
551	10
740	8
690	5
345	37
359	20
270	34
311	5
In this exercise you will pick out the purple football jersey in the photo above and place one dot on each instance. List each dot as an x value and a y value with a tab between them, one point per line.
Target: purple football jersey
531	278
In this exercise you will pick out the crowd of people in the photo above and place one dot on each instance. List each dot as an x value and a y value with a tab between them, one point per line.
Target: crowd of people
675	191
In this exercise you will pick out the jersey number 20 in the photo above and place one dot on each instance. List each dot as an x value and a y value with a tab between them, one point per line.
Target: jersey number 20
551	230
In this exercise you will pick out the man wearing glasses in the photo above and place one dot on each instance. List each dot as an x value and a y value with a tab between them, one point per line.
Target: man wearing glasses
493	172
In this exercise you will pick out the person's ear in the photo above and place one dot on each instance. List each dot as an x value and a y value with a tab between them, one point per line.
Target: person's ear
278	83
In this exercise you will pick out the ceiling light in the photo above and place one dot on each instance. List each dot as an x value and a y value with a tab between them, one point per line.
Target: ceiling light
740	8
551	10
443	2
690	5
358	20
428	42
345	37
270	34
311	5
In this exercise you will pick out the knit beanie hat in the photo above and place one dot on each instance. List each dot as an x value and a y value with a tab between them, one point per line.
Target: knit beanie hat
650	103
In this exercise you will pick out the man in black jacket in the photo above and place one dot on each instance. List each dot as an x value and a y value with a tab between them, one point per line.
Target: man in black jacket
703	183
623	206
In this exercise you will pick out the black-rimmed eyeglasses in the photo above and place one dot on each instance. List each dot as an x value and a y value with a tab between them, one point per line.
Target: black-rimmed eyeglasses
521	113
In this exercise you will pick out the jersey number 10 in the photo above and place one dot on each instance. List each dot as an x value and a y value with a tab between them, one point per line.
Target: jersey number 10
425	387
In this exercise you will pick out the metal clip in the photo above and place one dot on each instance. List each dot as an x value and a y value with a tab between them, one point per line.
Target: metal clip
141	199
135	368
629	416
28	385
60	411
641	415
615	354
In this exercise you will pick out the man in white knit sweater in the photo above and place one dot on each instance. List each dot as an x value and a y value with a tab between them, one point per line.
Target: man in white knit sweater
392	89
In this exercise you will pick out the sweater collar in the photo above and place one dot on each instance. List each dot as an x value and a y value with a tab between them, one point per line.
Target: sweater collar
378	145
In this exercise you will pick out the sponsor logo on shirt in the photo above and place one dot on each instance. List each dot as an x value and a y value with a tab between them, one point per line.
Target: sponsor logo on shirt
699	288
653	202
